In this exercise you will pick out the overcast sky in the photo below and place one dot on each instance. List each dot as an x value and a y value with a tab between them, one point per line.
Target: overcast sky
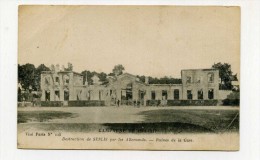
153	41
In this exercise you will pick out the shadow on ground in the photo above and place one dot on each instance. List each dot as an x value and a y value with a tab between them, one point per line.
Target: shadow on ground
196	120
42	116
155	121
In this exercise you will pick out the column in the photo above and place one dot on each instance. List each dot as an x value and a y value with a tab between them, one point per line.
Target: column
184	93
180	94
158	95
71	94
194	94
205	93
118	94
170	94
61	95
148	94
43	95
52	95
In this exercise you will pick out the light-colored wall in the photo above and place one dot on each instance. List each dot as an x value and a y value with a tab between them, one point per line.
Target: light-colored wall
203	84
74	79
76	85
159	88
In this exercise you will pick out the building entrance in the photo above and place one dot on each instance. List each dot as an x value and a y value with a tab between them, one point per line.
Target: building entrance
47	95
141	97
66	98
127	95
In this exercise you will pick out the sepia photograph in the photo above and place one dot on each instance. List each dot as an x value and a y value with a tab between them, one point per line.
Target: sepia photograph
128	77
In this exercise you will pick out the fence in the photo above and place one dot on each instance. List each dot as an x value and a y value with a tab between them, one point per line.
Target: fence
51	103
183	103
86	103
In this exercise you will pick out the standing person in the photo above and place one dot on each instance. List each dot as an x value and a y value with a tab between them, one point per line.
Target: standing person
118	102
134	103
23	104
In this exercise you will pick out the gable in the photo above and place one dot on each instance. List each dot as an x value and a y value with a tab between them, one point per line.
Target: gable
126	76
125	80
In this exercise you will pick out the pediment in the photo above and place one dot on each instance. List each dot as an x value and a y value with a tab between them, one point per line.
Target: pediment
126	76
125	80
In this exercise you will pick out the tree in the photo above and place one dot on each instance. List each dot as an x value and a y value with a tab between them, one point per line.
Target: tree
232	99
141	78
102	76
87	75
164	80
225	74
118	69
26	76
69	68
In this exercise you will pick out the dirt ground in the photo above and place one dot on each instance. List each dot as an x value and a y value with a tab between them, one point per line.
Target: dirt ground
122	114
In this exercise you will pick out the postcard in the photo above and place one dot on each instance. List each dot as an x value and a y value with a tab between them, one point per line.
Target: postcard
128	77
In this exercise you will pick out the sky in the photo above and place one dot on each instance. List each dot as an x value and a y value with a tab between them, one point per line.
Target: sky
147	40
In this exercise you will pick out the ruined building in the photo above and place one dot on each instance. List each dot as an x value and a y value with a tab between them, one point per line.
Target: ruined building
67	87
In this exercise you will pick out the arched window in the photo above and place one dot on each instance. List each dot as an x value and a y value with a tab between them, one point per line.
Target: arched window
211	94
153	96
200	94
164	95
66	79
66	95
189	94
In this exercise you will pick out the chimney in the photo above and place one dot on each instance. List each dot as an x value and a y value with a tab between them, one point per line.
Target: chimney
57	69
86	81
146	80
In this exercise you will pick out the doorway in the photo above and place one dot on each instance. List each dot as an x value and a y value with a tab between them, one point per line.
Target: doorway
47	95
66	98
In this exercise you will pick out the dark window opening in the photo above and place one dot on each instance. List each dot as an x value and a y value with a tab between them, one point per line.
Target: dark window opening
57	95
47	95
141	93
66	95
89	95
100	95
164	94
176	94
211	94
189	94
200	94
57	79
129	95
153	95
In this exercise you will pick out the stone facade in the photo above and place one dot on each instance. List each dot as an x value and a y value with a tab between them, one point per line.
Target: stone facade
200	84
60	86
128	89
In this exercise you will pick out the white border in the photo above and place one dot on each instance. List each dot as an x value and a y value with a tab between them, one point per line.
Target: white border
250	87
